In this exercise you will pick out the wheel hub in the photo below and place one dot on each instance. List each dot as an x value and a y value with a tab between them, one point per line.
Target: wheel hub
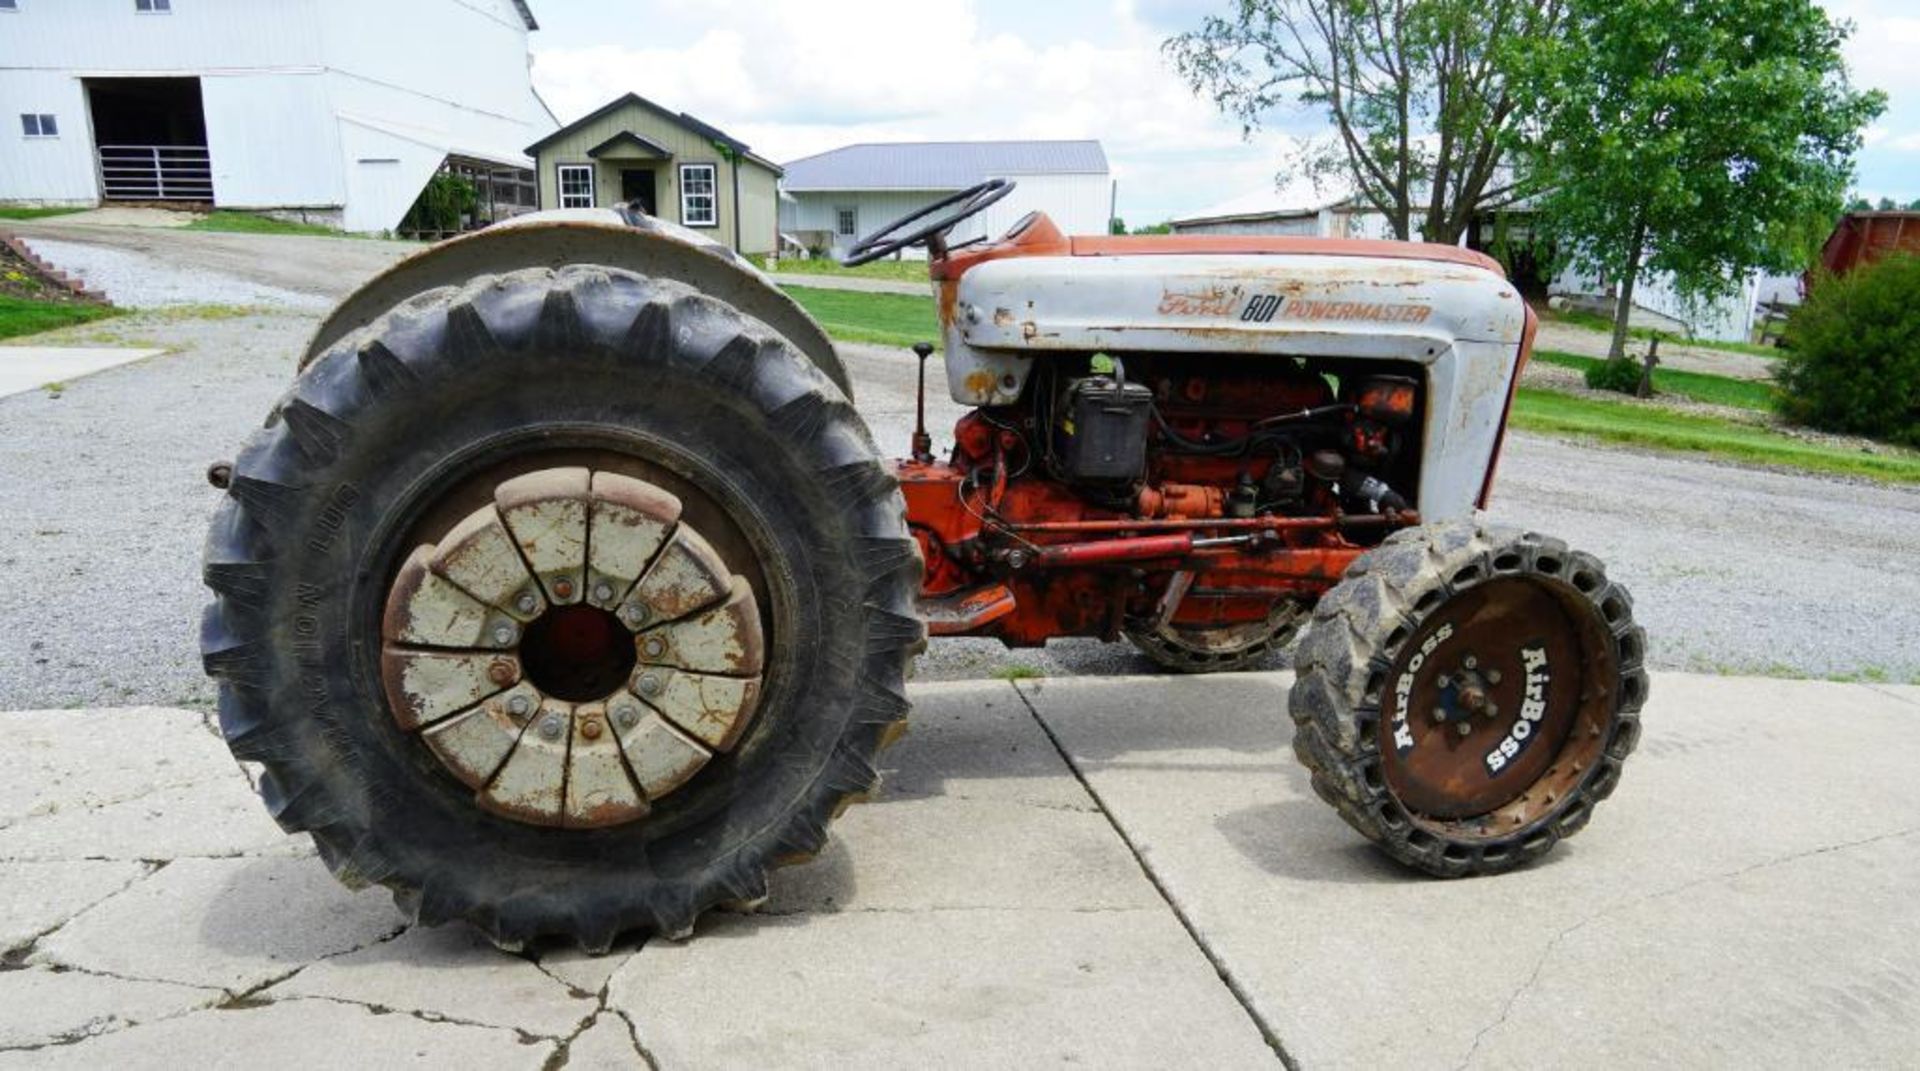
1479	708
573	649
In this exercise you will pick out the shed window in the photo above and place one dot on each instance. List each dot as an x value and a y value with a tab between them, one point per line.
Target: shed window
846	221
576	186
699	201
9	5
153	7
39	125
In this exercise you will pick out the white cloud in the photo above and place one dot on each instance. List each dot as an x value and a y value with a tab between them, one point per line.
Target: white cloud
794	79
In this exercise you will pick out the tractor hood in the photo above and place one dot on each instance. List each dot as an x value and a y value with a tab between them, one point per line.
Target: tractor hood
1324	305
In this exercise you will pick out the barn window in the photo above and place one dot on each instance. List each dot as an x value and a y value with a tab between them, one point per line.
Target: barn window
576	186
699	200
39	125
153	7
846	222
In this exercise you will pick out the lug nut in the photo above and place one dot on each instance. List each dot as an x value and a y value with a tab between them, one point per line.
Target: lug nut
503	634
526	603
518	705
633	614
1493	676
590	728
1470	662
1442	681
653	647
563	589
649	684
550	727
1464	728
625	716
500	672
603	593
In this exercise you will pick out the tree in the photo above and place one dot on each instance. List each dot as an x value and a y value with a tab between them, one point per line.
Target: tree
1415	90
1116	225
1699	138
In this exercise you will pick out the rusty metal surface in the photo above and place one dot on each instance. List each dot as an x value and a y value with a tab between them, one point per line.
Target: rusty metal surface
547	513
598	237
712	709
724	640
1485	712
507	710
630	523
480	558
424	686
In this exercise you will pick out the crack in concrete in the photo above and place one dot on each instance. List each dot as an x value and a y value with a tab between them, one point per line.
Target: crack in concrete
561	1055
18	953
425	1015
1553	943
1245	999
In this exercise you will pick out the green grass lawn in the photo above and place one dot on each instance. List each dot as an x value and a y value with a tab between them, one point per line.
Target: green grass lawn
1604	324
911	271
249	223
20	316
887	319
1699	386
1624	422
8	212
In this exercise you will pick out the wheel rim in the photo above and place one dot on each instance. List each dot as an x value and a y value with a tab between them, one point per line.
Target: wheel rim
572	649
1497	706
1224	643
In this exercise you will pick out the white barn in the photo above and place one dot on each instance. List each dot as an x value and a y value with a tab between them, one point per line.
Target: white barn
829	199
333	110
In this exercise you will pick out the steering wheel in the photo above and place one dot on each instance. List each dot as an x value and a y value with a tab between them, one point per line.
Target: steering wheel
945	213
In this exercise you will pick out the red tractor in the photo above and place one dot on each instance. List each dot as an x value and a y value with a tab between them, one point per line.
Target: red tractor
566	592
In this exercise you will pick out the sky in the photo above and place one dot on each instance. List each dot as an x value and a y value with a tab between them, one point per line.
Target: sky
796	77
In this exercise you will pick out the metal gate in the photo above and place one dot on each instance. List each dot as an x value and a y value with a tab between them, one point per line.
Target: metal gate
155	173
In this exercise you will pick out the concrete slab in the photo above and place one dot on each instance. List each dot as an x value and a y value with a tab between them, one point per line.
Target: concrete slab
25	368
607	1044
301	1033
990	988
37	897
448	973
1745	898
237	924
40	1006
978	811
129	784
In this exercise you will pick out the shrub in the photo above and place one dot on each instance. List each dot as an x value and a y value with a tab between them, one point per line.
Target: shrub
1854	361
1622	375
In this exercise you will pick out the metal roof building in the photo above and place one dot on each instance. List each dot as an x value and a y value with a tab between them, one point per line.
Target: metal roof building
829	198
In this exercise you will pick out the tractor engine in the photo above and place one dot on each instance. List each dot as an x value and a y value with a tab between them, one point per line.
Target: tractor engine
1152	491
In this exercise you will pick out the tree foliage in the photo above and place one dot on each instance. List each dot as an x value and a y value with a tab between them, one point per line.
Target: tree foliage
1416	92
1853	362
1699	138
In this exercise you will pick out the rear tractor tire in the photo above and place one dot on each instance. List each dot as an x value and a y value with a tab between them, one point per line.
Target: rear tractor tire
563	602
1466	696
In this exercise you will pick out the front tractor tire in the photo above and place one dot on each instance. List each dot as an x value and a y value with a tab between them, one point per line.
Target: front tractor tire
563	602
1467	694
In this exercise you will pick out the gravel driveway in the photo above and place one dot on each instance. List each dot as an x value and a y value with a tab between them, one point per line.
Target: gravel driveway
1734	570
